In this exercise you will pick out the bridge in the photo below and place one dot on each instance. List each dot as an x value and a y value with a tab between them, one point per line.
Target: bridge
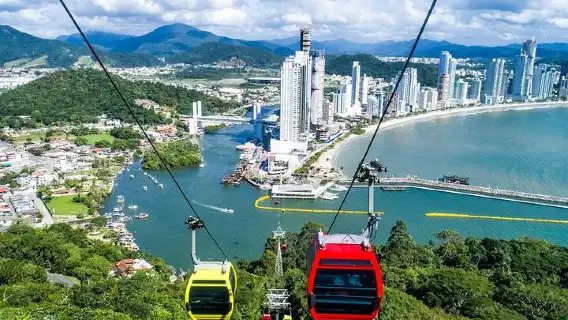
197	115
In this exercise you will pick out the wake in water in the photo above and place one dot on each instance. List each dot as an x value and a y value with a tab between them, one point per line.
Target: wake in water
224	210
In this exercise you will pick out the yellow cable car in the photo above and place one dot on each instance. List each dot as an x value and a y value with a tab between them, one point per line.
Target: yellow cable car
210	291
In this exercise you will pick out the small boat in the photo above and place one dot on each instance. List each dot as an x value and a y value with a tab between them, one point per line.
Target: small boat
142	215
131	176
145	188
337	188
146	174
227	210
201	165
276	202
119	198
116	209
132	207
161	185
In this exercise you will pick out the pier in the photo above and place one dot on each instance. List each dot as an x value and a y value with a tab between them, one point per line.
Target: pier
257	204
508	195
468	216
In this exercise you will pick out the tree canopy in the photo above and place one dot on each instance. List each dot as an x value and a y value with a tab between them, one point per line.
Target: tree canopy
175	153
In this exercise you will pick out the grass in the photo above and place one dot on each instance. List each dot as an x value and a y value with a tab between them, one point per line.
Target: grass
65	206
92	138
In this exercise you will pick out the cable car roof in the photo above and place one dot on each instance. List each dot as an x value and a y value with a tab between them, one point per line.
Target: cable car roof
342	242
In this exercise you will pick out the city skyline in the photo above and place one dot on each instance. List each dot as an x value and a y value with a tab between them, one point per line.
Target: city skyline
472	22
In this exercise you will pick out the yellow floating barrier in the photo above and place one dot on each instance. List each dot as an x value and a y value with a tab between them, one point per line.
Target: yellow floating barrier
468	216
266	197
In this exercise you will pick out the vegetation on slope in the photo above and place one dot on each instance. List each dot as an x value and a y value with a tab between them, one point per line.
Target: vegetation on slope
79	96
451	278
179	153
375	68
213	52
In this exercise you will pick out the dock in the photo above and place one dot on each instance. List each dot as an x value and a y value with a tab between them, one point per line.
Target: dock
509	195
257	204
468	216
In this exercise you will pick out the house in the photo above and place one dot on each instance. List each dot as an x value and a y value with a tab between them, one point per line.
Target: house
128	267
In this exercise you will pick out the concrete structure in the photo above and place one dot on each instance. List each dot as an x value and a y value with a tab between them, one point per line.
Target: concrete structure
364	89
355	83
475	92
317	79
328	112
295	95
494	79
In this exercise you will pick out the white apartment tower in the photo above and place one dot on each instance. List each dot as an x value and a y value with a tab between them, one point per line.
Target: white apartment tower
295	95
355	83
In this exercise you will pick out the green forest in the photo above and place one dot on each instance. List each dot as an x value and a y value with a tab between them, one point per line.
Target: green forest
373	67
179	153
80	96
449	278
212	52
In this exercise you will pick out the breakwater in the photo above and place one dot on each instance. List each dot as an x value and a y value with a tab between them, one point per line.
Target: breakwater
509	195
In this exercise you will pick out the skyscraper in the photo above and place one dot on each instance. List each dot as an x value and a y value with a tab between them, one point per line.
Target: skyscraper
529	48
432	99
494	79
355	82
295	95
443	66
475	92
413	87
444	88
520	79
338	99
347	97
453	67
423	99
317	99
380	103
403	92
461	90
538	80
364	89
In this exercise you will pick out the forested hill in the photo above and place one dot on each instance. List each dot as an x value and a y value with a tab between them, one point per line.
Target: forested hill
373	67
451	279
79	96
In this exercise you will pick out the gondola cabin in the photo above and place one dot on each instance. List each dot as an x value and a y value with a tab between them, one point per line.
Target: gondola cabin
344	278
210	292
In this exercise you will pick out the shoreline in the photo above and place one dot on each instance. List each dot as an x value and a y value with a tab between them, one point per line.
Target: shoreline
333	153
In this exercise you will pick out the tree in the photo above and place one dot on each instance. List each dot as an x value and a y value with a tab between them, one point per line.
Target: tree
103	144
80	141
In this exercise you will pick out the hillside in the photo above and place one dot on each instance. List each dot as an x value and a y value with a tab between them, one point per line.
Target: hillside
213	52
452	279
15	45
102	40
376	68
81	95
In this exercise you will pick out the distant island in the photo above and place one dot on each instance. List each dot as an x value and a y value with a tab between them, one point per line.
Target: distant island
180	153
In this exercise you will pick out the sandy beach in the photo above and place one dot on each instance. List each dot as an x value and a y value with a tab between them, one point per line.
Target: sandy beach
329	158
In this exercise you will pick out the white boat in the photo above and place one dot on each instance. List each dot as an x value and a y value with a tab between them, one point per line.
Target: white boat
227	210
337	187
329	196
146	173
119	198
265	187
145	188
161	185
132	207
143	215
116	209
131	176
201	165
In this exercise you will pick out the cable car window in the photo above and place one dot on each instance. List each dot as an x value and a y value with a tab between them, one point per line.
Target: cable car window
345	291
209	300
232	279
345	262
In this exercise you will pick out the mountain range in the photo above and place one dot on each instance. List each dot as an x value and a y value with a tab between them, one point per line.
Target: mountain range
183	43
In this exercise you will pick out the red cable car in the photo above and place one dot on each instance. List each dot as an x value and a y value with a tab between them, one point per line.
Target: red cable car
344	278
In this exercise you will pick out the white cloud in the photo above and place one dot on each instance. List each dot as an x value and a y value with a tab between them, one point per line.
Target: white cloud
489	22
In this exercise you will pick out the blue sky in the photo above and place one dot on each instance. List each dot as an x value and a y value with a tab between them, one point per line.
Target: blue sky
474	22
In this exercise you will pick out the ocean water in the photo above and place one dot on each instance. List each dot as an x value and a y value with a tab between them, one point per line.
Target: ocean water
522	150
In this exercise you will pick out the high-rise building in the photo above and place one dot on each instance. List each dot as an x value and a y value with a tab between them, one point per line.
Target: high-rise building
317	94
413	87
505	83
338	100
328	112
453	67
403	92
538	80
444	88
443	66
461	90
305	39
364	89
295	95
494	79
355	83
372	107
475	92
432	99
423	99
529	48
520	79
380	103
347	97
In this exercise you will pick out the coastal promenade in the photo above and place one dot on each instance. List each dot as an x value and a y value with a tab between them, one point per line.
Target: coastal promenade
509	195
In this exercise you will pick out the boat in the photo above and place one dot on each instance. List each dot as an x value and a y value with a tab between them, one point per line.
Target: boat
392	188
131	176
146	174
142	215
119	198
116	209
145	188
227	210
124	219
201	165
337	187
265	187
329	196
161	185
132	207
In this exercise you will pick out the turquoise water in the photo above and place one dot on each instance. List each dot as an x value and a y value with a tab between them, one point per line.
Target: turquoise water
522	150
